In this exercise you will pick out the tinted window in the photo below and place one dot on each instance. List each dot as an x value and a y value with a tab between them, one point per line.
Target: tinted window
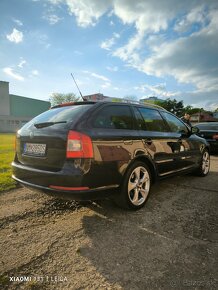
209	126
114	117
67	114
139	119
152	120
175	124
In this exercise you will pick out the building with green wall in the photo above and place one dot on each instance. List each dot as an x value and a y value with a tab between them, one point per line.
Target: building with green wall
15	110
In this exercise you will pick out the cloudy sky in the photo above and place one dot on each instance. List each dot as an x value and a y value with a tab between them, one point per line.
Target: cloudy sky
163	48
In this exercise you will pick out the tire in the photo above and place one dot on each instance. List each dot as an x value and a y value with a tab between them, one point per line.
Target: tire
136	187
204	166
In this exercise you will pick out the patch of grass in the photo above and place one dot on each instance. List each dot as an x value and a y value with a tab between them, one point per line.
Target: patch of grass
3	281
6	157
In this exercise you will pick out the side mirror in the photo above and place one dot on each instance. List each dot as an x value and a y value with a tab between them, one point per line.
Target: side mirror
195	130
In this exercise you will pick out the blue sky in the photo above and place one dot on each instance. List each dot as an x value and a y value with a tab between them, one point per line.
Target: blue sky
163	48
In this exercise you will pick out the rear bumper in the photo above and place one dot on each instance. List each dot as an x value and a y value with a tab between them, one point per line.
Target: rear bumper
66	183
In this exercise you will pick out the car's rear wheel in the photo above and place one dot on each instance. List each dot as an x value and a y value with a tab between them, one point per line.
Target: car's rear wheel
136	186
204	166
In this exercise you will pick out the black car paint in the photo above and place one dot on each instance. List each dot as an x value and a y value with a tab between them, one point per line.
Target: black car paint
208	133
166	153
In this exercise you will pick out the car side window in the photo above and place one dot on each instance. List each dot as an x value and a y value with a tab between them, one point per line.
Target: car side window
153	121
114	117
139	120
175	124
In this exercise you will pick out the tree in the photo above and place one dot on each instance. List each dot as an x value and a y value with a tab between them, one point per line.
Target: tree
172	106
131	98
60	98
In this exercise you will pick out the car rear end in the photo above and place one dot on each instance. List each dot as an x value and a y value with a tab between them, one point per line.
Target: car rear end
51	155
209	131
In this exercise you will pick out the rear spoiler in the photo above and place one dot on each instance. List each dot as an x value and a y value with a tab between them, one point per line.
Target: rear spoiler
72	104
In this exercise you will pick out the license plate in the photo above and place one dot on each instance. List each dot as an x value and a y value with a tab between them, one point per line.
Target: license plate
34	149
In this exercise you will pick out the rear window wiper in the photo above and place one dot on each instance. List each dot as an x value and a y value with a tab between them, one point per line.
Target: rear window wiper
47	124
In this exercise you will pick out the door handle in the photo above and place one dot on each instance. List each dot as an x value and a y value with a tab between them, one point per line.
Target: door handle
127	142
148	141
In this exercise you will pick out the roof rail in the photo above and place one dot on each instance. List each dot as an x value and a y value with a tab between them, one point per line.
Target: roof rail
108	99
123	100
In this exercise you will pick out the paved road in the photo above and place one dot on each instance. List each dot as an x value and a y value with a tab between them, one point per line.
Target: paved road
172	243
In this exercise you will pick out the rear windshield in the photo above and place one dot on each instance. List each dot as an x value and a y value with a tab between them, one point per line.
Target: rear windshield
62	114
209	126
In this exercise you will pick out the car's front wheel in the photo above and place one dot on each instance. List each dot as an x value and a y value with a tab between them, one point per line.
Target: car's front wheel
204	166
136	186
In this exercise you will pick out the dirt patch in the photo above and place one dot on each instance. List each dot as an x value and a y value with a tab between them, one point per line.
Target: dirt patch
171	243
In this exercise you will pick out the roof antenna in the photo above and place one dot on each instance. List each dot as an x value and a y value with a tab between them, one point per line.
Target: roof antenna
78	88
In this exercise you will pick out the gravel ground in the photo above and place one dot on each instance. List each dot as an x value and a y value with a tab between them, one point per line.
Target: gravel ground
172	243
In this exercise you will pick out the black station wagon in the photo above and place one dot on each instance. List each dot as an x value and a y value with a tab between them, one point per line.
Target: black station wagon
90	150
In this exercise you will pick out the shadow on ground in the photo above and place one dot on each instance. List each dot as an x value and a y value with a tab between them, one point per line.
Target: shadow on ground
171	243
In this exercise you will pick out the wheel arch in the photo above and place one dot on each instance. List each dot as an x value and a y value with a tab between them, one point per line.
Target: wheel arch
145	159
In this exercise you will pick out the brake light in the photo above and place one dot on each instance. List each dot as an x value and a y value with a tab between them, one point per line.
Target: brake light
79	145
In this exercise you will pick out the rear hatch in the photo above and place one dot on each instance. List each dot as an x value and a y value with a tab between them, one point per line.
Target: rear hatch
41	143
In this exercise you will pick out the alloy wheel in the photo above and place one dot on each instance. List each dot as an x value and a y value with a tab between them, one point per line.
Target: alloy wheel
138	185
205	162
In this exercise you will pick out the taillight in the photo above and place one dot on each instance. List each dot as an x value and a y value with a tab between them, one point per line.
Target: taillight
215	136
79	145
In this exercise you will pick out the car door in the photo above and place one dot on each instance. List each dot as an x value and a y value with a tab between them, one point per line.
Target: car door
114	138
188	150
161	145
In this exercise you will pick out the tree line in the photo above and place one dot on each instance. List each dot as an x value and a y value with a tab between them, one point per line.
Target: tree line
173	106
178	108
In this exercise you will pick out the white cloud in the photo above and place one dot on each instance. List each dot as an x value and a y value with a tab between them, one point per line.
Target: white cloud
146	15
108	43
35	72
171	37
112	68
10	72
16	36
55	2
196	16
100	77
87	12
52	18
97	76
106	85
41	38
129	51
21	63
18	22
192	59
159	90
